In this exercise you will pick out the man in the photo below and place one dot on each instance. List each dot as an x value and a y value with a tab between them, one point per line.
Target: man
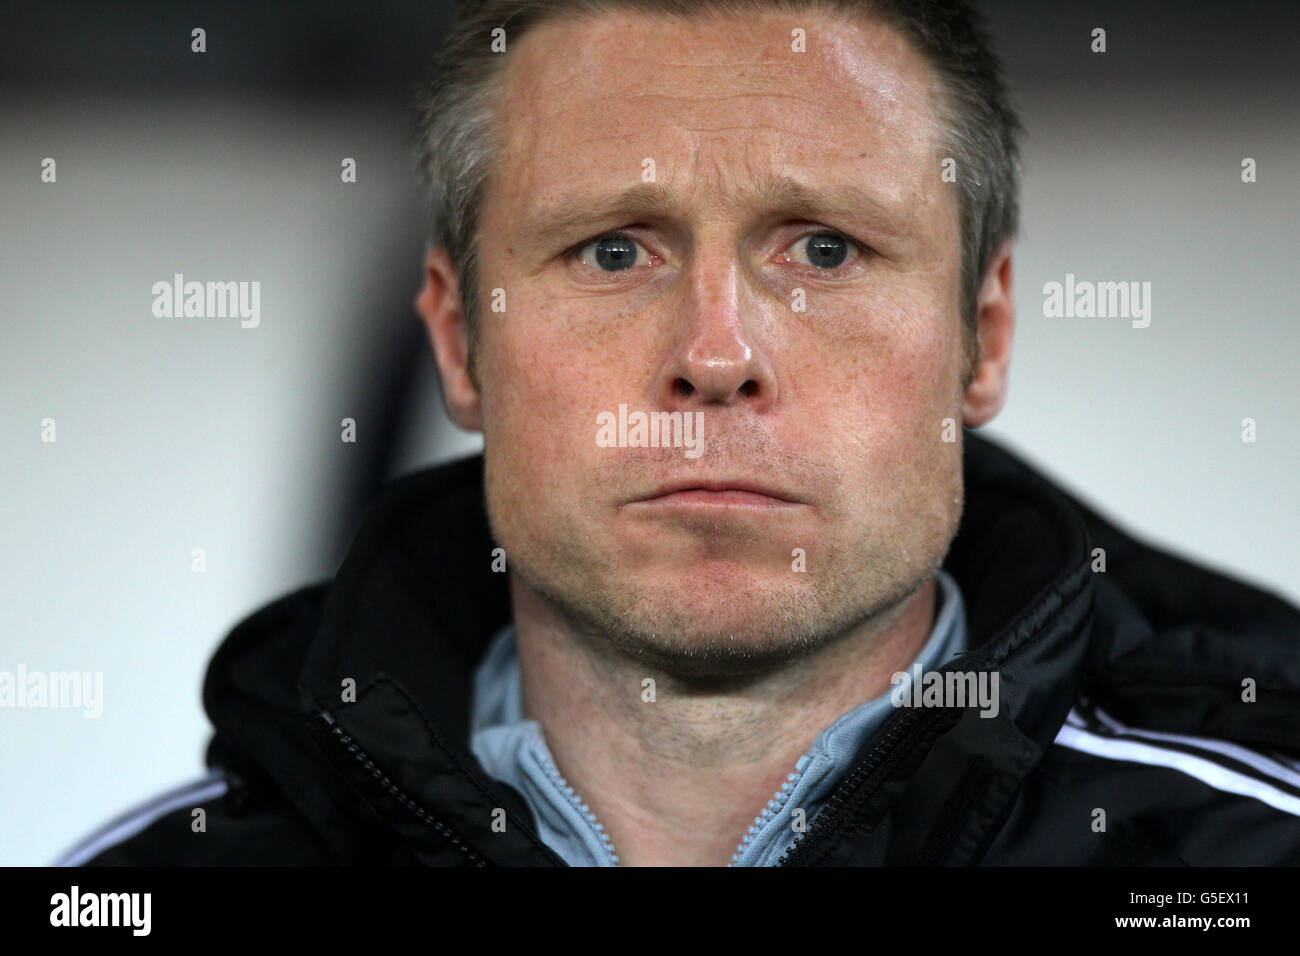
722	285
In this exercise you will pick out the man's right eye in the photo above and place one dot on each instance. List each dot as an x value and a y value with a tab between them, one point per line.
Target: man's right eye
614	253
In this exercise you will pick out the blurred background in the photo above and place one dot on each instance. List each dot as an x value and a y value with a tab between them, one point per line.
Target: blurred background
176	434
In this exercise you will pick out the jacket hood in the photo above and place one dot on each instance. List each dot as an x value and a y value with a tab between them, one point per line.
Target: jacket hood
1158	641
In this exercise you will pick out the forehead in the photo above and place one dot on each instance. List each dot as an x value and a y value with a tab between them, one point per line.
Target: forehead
718	102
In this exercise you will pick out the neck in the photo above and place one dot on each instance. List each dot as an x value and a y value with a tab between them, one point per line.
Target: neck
653	771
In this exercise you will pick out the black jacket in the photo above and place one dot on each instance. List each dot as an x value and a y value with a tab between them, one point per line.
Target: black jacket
1122	735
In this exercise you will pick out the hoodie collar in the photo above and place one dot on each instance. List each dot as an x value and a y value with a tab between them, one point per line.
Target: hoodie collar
513	749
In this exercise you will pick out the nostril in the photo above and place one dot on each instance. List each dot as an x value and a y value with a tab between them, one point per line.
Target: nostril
683	388
749	389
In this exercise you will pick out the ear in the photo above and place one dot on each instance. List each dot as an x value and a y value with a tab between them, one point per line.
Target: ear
995	312
439	306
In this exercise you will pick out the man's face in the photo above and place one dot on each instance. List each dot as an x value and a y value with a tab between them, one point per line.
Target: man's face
815	328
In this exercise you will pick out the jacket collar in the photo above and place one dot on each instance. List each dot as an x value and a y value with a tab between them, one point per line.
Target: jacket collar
936	784
415	597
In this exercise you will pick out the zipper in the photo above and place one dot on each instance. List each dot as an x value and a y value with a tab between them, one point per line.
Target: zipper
444	831
557	778
835	806
774	806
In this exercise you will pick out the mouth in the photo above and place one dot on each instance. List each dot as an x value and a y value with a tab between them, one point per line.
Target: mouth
718	494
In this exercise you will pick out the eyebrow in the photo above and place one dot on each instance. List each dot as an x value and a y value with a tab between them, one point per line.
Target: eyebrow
773	194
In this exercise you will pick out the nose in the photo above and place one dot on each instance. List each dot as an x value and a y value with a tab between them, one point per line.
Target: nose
716	359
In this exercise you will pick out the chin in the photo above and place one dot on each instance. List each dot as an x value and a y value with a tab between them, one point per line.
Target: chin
717	626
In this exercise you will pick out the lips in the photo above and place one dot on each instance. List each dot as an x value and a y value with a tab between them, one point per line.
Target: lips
722	493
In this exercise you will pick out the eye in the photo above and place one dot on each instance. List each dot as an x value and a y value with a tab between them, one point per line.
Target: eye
613	253
825	250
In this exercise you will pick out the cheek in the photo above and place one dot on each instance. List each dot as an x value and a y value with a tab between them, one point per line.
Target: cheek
893	367
919	409
889	381
547	373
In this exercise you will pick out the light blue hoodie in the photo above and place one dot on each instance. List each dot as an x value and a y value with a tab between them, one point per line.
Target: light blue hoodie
513	749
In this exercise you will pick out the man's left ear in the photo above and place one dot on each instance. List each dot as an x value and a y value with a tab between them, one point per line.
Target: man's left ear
995	311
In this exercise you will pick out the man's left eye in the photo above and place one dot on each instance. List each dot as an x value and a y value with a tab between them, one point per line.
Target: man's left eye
825	250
